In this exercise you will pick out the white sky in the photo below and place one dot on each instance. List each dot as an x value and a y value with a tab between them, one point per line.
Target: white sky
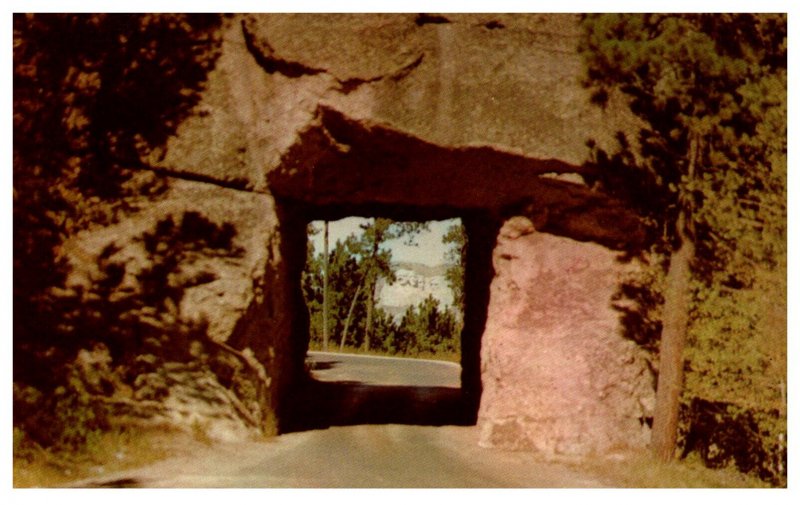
429	249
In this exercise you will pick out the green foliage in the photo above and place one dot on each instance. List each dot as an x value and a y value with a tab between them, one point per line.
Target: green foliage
103	88
456	237
92	94
72	415
346	273
117	449
737	346
377	262
717	82
355	266
640	300
723	434
700	76
427	328
80	418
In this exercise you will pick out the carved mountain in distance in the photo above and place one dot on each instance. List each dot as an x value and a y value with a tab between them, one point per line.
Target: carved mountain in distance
414	282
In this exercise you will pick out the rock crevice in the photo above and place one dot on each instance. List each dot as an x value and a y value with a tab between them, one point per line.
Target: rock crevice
264	54
271	62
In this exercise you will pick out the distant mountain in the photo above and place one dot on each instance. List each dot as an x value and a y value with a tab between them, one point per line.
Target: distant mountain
421	269
414	283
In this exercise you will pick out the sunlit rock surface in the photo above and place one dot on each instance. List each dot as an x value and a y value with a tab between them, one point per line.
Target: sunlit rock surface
558	376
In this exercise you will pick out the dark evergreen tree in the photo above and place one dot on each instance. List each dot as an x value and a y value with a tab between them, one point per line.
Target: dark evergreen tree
709	170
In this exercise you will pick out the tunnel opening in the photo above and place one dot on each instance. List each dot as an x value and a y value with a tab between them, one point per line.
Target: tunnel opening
386	287
399	340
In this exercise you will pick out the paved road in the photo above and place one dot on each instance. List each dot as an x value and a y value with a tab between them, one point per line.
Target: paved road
364	456
364	422
383	371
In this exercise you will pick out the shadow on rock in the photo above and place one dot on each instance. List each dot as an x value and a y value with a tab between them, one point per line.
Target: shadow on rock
116	483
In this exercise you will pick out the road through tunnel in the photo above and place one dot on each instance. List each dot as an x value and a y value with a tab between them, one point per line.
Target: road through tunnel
541	273
428	301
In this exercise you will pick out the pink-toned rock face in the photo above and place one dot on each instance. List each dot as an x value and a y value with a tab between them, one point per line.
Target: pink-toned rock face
557	375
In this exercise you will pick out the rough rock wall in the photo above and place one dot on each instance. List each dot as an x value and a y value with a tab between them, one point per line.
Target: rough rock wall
457	79
510	82
412	117
219	296
201	280
558	377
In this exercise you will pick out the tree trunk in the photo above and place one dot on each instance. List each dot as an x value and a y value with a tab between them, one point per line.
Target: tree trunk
673	334
371	283
325	290
370	306
673	339
349	316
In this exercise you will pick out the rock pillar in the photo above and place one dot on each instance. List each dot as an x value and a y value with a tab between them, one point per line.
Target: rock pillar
558	376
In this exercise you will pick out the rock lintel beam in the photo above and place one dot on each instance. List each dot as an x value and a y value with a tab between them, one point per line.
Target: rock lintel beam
341	161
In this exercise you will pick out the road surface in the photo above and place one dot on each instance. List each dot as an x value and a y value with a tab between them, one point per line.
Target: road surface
362	456
348	389
383	371
364	422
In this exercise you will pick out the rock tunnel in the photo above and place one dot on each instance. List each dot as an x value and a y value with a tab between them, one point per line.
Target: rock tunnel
511	207
480	117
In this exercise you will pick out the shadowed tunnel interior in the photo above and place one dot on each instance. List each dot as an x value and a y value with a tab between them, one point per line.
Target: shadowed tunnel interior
313	404
324	404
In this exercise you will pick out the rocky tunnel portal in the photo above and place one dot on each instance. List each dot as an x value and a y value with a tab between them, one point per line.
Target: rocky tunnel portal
471	118
544	362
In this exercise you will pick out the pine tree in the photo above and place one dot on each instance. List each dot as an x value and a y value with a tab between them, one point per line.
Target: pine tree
709	165
354	267
456	259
